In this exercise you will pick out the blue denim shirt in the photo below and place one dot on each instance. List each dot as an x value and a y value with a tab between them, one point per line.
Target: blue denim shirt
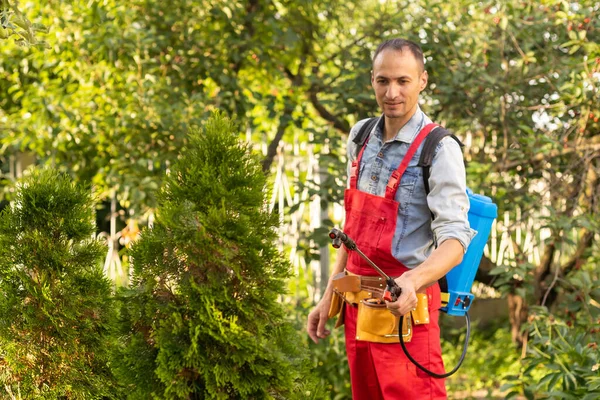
416	234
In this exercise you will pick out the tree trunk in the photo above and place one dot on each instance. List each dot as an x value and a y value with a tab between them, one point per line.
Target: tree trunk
517	313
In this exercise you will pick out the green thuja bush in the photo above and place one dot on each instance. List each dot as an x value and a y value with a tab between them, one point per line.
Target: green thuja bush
55	304
202	318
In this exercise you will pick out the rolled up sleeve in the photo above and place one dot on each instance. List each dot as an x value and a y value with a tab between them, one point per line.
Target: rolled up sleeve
447	198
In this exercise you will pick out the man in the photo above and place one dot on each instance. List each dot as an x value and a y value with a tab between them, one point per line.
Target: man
414	236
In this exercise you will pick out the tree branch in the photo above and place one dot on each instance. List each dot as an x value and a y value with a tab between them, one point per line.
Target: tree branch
284	122
483	272
577	188
588	236
586	241
338	123
252	7
543	269
592	144
505	131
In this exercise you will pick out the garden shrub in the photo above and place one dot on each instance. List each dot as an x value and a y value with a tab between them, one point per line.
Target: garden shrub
55	303
202	317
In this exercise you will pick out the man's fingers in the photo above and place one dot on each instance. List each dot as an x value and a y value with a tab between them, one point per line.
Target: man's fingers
405	304
316	327
311	327
321	331
406	299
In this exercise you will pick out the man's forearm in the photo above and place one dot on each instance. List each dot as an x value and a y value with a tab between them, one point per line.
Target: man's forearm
340	264
448	255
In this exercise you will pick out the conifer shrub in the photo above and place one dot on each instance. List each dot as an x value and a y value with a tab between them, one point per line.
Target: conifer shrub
202	316
55	303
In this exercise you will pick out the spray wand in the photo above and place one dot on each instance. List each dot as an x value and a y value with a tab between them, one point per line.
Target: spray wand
392	292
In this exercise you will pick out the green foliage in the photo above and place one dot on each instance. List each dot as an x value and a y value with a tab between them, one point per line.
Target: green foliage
202	317
515	279
14	23
490	357
112	99
329	359
55	304
563	360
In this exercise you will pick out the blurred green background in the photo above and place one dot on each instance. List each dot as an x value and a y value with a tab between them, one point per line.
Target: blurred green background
106	91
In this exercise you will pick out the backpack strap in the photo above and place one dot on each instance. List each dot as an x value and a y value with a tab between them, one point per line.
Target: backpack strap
427	154
363	133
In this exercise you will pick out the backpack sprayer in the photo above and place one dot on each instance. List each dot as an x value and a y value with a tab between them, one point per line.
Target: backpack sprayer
458	298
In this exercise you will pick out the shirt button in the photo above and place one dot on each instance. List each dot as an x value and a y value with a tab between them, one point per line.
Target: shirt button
374	177
380	155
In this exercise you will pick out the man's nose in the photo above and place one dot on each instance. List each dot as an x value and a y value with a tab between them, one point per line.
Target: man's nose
393	91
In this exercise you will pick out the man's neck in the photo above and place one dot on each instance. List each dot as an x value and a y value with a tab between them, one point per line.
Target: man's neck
393	125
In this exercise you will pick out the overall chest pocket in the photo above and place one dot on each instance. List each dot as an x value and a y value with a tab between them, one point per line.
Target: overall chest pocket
369	227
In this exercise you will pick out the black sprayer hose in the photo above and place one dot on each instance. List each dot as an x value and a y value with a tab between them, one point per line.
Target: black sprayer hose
447	374
340	237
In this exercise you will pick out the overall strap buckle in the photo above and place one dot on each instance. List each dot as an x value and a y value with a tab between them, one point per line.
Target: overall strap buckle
392	186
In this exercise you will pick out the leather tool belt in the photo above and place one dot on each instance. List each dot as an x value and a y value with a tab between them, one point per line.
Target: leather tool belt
375	323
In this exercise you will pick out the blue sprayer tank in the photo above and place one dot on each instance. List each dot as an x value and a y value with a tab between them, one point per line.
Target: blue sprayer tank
482	213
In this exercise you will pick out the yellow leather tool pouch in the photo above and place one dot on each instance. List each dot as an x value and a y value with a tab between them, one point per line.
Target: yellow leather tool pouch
342	282
420	315
375	323
336	305
337	308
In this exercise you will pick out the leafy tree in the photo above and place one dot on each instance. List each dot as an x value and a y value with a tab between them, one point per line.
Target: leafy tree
14	23
55	304
112	100
202	317
522	87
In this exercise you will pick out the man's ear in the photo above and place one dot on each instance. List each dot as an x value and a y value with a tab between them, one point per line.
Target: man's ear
423	80
372	78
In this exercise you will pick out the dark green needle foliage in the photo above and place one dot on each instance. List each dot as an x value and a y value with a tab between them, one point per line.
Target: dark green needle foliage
204	321
55	303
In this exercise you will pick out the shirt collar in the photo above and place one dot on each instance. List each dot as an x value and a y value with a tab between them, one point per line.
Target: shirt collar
410	130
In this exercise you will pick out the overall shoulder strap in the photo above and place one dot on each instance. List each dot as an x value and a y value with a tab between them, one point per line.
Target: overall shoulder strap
392	186
360	139
363	133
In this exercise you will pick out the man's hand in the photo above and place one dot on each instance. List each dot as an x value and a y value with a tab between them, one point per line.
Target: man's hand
318	318
439	263
407	301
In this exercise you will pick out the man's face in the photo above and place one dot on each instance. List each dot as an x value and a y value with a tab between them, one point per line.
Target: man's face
397	80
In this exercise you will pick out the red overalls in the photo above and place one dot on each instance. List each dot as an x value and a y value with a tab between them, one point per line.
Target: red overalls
379	370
